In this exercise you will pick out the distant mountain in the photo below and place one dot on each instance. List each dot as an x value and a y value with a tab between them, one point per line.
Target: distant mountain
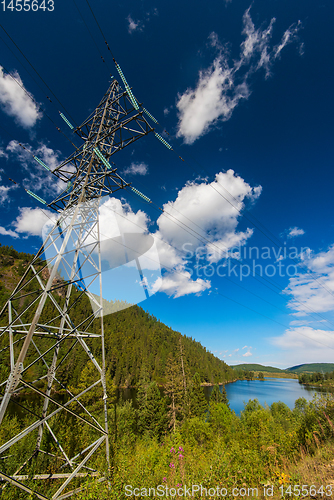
312	367
257	368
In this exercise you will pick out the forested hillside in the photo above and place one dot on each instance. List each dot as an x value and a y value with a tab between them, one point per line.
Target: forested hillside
135	340
255	367
312	368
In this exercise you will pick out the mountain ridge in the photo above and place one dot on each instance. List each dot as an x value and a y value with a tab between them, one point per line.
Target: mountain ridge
303	368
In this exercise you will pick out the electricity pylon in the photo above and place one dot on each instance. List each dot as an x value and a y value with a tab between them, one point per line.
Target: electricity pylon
42	332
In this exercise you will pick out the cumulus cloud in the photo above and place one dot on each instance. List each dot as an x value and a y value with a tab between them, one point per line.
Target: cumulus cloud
306	340
8	232
305	344
117	217
177	285
203	210
247	354
200	212
31	221
313	291
295	231
200	208
16	101
136	168
225	83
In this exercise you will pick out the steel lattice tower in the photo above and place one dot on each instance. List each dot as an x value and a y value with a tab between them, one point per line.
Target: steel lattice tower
41	333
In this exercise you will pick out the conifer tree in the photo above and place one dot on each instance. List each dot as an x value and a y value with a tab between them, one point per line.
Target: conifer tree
155	412
174	389
144	382
224	397
216	396
198	403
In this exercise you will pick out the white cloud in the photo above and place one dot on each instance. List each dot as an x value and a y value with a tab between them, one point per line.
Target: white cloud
3	153
4	193
307	341
295	231
138	25
247	354
313	291
305	344
289	36
122	220
136	168
200	207
177	285
16	101
8	232
224	84
31	220
37	177
134	25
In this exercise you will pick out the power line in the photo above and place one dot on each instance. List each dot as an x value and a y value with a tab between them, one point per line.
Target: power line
104	38
18	48
91	35
38	106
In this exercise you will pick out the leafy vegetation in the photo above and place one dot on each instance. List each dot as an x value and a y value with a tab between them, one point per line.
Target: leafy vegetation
264	446
322	379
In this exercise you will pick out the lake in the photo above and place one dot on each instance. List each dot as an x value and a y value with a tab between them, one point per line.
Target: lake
266	391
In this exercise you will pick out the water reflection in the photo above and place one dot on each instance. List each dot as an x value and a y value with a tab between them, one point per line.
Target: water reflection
266	391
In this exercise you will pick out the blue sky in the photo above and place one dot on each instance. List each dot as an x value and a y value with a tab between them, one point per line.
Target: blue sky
245	92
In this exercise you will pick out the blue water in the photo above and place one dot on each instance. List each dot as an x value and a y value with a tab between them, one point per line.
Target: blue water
266	391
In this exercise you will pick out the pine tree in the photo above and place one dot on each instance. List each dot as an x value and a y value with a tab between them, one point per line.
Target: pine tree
224	397
216	396
155	412
144	382
174	389
198	403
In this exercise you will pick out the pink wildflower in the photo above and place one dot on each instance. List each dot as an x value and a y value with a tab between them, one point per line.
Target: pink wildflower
171	465
172	450
180	448
164	479
180	456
